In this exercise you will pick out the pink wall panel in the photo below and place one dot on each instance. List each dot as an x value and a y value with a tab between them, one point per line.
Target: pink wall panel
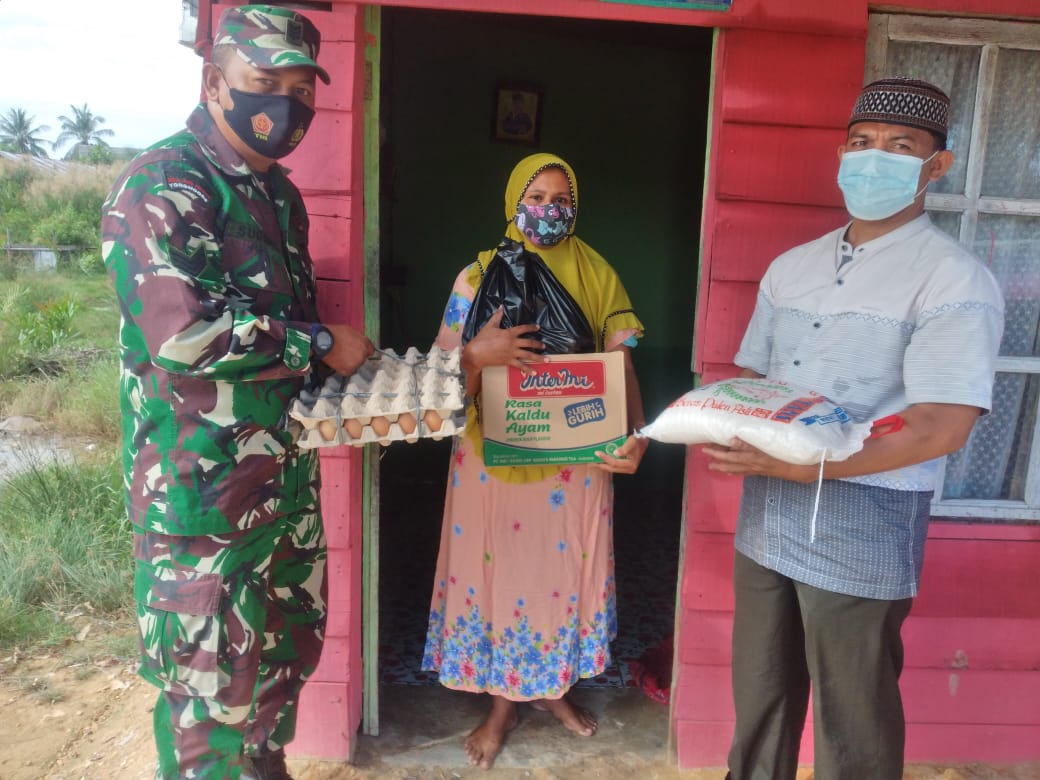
795	14
702	744
715	372
324	727
712	505
790	79
333	666
797	165
967	696
749	235
980	578
323	163
335	300
705	694
344	597
956	743
970	642
707	577
728	311
709	643
337	515
336	56
330	246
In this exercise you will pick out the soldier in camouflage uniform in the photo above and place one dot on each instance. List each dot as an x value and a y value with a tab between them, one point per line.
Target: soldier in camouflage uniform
206	240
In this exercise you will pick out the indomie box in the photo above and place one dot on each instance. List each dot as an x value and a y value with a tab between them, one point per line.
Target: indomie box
564	412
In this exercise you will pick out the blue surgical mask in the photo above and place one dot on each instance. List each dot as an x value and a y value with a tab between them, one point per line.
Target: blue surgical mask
878	184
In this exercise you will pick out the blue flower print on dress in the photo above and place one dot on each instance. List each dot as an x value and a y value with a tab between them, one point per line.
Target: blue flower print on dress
519	661
556	498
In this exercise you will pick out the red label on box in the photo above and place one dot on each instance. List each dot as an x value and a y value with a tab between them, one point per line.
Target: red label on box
561	379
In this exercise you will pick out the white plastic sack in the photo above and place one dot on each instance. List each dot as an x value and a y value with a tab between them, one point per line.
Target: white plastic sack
790	423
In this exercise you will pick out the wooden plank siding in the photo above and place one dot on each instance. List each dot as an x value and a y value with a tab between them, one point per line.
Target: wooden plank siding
328	170
330	175
785	77
973	640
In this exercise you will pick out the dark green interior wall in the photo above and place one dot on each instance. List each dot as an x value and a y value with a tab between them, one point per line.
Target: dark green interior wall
625	104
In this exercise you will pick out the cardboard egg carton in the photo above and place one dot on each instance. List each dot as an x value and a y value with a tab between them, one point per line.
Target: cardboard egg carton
390	398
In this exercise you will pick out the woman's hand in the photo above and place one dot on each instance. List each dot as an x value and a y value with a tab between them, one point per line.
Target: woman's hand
625	459
495	346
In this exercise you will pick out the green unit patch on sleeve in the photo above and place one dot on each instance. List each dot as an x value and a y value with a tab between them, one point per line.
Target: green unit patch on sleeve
297	349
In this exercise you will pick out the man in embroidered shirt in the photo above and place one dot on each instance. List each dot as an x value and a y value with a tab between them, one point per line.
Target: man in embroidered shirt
206	241
886	315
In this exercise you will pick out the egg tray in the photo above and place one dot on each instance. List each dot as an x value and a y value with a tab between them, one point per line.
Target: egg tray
390	398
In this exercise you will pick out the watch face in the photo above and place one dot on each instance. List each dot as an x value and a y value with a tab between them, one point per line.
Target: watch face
322	341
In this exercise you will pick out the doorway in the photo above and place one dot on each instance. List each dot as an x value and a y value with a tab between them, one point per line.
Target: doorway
627	106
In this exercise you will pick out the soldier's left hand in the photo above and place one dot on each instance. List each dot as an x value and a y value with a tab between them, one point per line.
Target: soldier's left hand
350	348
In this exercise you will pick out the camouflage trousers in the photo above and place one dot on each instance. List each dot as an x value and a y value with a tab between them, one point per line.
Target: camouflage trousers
230	626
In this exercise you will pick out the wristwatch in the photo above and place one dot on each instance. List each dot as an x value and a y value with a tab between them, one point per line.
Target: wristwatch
321	340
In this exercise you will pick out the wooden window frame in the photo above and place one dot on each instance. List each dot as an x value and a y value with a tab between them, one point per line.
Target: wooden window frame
990	37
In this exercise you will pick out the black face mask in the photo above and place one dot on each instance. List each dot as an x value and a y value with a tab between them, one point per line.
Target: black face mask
270	125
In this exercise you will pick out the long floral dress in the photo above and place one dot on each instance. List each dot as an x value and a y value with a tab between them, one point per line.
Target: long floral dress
523	602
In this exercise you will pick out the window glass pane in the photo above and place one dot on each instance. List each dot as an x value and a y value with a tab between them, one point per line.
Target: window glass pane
993	464
955	70
949	222
1012	168
1008	246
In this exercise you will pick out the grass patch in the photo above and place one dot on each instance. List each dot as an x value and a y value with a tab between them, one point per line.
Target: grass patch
64	544
78	401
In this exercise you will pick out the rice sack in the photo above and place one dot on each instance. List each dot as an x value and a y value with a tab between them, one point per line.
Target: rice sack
790	423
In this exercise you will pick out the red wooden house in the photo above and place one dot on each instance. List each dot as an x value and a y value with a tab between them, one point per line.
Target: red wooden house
720	119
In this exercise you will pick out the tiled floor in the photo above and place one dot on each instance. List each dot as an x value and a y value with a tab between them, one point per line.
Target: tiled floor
646	544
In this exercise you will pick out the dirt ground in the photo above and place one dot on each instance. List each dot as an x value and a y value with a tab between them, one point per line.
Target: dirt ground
79	712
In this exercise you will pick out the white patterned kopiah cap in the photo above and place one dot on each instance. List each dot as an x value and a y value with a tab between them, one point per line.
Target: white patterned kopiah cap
903	101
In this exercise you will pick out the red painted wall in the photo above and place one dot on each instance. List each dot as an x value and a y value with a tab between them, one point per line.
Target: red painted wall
786	74
973	640
328	170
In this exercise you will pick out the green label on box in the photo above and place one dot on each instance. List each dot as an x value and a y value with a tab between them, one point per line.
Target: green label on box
498	454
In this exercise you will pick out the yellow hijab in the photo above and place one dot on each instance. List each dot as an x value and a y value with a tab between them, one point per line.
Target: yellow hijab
590	280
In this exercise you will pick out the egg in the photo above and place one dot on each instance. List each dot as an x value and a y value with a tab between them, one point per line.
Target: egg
353	427
407	422
380	426
432	420
327	429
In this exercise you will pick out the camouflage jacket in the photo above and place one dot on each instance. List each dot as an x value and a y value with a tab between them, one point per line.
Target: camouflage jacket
217	296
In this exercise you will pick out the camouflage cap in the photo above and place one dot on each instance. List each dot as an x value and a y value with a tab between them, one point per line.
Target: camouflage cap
267	36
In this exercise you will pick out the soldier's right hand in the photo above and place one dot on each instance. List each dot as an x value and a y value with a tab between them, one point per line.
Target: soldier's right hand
350	348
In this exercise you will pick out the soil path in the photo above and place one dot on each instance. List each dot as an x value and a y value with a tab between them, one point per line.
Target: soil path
80	713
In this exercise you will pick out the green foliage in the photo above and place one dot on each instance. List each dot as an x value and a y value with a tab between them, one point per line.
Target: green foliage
83	127
64	543
100	154
47	326
52	208
17	133
66	226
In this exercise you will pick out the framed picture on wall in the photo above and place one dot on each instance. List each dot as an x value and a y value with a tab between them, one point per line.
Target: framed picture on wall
517	114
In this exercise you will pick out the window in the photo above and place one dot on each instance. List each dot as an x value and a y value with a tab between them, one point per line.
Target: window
990	202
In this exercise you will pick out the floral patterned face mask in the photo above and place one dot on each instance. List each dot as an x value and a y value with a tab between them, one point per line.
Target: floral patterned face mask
544	225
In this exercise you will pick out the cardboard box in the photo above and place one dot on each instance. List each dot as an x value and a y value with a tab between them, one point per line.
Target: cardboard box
562	414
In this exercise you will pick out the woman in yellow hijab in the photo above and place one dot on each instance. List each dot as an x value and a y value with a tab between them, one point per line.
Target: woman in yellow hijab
523	600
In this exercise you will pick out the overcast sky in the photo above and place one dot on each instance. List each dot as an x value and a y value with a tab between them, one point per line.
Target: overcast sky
120	57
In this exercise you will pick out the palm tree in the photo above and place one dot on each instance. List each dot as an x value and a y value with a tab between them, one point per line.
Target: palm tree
17	133
84	128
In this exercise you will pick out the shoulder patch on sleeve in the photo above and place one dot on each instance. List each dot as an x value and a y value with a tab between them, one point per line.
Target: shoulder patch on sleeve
192	187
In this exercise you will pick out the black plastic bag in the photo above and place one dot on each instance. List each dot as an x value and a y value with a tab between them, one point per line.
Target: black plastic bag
522	284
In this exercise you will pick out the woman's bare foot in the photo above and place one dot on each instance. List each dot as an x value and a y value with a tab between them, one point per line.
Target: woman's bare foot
484	742
574	718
